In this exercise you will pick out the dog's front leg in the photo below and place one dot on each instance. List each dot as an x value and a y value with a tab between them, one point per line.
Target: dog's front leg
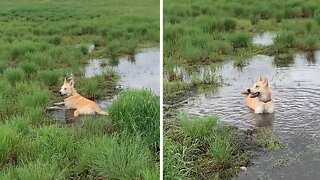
258	110
59	104
55	108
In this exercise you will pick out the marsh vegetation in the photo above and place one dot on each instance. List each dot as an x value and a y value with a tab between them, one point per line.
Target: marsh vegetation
199	34
44	42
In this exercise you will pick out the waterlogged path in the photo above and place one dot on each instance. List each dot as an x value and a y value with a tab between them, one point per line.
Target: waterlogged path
295	87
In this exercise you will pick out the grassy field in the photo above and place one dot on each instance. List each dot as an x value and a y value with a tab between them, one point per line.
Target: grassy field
41	43
206	33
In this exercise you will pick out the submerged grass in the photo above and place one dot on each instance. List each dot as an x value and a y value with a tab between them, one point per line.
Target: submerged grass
40	46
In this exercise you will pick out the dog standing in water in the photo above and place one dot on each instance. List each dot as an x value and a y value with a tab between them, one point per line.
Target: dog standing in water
73	100
259	97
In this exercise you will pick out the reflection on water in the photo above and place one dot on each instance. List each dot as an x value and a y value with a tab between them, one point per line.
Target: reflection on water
136	71
295	89
265	39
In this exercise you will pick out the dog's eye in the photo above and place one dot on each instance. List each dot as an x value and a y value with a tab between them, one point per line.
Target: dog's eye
257	86
65	88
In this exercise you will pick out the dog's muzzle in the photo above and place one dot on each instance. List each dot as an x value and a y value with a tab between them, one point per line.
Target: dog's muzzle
254	95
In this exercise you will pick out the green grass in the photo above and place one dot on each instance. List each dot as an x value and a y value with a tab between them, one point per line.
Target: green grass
137	113
123	159
14	75
198	128
197	34
42	43
201	148
29	68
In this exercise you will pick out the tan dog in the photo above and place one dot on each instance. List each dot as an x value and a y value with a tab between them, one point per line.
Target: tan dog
259	97
73	100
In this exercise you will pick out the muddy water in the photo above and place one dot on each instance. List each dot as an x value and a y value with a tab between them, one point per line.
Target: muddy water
65	116
295	88
140	71
264	39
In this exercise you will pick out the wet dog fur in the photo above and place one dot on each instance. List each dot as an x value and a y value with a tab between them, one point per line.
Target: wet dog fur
259	97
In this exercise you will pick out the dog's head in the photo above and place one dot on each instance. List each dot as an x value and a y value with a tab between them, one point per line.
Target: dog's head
260	89
67	88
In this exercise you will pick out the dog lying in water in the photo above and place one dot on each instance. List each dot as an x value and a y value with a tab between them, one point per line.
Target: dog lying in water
259	97
73	100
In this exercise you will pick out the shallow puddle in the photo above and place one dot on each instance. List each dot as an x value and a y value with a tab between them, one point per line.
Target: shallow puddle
138	71
65	116
295	89
264	39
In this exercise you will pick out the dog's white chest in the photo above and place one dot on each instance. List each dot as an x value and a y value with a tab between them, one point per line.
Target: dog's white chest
265	108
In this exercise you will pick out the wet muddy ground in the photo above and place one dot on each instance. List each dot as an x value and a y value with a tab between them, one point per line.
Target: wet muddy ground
295	88
139	71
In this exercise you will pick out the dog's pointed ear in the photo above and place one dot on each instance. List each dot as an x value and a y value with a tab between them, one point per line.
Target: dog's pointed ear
266	81
260	78
71	83
65	80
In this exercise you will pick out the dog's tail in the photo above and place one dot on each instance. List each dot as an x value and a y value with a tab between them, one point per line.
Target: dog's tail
99	111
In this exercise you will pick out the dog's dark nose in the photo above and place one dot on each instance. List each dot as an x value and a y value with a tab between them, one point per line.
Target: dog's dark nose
248	90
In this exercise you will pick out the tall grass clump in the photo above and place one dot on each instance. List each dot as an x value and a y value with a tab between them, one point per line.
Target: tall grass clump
222	25
113	48
96	126
99	41
83	49
42	59
37	170
206	76
285	39
200	148
29	68
51	78
220	148
56	40
3	66
137	112
99	86
308	9
238	11
5	88
55	143
20	49
14	75
240	40
317	16
173	160
30	95
131	46
309	27
110	158
9	138
198	128
229	24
